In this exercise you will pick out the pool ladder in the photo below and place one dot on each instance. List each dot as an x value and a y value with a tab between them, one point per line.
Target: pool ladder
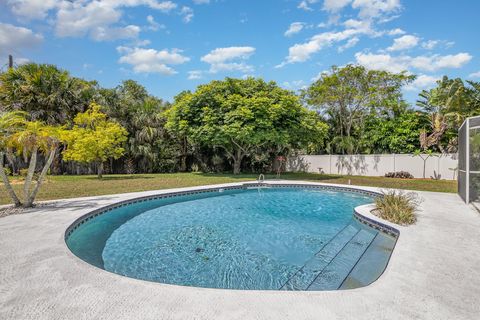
261	178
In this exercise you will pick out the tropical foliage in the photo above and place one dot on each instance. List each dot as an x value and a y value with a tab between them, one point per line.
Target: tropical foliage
448	105
45	92
149	148
52	120
28	139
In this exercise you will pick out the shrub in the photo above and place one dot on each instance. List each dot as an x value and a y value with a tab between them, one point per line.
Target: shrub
399	174
397	207
7	171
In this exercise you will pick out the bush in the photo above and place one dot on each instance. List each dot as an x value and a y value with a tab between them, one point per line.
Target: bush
399	174
397	207
7	171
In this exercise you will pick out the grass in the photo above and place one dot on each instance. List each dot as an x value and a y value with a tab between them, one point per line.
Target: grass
397	207
60	187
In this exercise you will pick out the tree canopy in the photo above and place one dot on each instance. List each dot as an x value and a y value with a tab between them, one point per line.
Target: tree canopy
94	138
242	116
448	105
345	96
47	93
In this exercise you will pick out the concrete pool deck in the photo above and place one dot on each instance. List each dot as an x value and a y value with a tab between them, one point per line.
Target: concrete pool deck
434	273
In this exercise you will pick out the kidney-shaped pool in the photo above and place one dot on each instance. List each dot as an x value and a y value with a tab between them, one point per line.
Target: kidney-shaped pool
252	238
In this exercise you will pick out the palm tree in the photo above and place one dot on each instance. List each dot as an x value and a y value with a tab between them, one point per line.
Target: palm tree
28	138
47	93
449	104
10	122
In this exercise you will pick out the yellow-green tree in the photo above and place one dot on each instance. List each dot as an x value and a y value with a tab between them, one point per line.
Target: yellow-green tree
94	138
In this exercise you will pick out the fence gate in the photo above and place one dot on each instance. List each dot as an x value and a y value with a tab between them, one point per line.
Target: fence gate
469	160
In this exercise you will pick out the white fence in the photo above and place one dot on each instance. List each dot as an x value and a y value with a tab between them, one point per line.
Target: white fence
440	166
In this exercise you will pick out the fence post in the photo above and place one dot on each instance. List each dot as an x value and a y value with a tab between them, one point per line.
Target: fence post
467	160
394	163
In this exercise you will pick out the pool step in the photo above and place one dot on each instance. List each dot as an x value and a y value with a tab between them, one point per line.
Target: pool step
372	264
312	268
334	274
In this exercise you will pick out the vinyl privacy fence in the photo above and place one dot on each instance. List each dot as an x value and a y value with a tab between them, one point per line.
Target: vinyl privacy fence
441	166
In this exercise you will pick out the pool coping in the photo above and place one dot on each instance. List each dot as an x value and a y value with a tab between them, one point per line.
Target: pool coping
357	214
433	273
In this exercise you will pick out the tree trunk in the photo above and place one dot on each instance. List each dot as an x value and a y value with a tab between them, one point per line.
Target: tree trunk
7	184
183	163
183	157
100	170
31	171
237	161
11	160
31	198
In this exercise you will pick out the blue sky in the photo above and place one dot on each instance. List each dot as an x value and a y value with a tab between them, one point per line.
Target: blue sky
170	46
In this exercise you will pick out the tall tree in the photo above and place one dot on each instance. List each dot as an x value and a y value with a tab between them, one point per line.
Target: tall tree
142	116
241	116
345	96
45	92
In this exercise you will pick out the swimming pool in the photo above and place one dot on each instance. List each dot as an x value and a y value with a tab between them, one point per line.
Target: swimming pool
250	238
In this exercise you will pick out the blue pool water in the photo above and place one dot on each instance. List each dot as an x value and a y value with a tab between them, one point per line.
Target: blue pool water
272	238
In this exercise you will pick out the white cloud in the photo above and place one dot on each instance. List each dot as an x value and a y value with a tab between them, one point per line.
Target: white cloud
335	5
303	51
229	59
422	82
350	44
93	19
32	9
474	75
195	75
38	9
201	1
403	43
305	4
187	14
152	61
432	44
140	43
396	32
13	39
294	28
405	63
375	9
108	34
153	25
99	19
449	61
164	6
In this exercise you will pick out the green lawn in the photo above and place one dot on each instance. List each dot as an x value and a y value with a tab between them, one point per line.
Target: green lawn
59	187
